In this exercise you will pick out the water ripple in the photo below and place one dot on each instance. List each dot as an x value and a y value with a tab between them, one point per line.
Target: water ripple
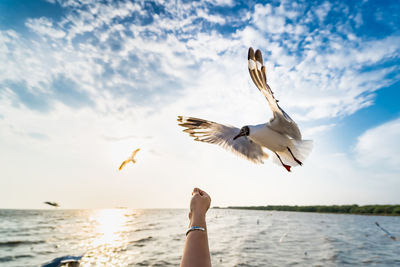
124	237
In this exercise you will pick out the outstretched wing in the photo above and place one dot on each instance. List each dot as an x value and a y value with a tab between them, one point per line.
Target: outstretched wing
134	153
124	163
214	133
281	122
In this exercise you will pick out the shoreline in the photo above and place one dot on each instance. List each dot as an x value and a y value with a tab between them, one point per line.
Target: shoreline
375	210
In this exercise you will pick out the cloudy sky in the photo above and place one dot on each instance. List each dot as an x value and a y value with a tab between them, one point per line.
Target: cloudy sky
84	83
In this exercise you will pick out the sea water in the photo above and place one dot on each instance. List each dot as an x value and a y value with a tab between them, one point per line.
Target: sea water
129	237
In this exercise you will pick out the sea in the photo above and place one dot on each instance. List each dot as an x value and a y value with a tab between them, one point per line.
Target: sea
156	237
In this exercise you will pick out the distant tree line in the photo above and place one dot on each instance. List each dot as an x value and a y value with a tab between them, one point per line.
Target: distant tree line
352	209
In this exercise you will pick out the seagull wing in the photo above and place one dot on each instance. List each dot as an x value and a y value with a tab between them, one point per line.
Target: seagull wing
281	121
124	163
134	153
214	133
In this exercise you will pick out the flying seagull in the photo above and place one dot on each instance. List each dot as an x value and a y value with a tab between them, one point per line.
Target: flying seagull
386	232
281	134
131	158
54	204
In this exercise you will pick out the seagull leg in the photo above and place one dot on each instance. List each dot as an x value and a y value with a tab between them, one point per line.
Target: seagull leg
287	167
298	161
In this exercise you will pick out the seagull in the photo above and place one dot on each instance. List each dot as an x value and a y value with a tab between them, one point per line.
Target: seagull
131	158
386	232
54	204
281	135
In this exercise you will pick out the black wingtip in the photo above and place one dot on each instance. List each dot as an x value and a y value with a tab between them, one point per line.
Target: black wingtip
251	53
259	56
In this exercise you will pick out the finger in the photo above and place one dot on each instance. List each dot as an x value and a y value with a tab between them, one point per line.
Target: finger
201	192
195	191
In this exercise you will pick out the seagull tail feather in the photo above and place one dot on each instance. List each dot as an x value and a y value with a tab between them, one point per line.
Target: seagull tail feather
302	148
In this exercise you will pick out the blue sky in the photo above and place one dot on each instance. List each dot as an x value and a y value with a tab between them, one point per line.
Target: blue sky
83	83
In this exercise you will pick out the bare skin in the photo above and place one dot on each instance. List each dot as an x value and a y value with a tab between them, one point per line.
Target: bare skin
196	252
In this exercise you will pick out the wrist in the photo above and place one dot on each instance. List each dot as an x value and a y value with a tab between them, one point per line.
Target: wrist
198	220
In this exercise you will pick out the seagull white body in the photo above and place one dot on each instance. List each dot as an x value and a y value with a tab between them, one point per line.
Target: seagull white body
263	135
130	159
281	134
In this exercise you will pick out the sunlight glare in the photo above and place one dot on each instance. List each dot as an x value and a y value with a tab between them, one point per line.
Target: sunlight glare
111	238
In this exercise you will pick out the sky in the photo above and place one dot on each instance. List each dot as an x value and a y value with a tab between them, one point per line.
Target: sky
83	83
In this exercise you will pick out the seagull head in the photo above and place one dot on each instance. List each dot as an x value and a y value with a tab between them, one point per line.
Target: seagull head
245	131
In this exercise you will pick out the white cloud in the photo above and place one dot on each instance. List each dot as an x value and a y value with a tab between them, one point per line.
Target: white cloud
210	17
358	19
222	2
332	75
44	26
318	129
378	148
266	21
323	10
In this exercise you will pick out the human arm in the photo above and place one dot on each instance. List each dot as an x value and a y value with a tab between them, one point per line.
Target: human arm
196	252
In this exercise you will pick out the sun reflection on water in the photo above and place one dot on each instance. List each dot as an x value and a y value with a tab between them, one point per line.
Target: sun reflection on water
111	233
110	224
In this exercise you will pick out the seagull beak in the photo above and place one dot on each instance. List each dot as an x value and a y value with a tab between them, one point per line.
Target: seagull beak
237	136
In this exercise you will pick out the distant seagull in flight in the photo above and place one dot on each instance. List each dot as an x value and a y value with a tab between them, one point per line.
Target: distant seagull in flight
131	158
54	204
281	134
386	232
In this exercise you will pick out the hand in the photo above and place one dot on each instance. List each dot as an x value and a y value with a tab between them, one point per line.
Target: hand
199	205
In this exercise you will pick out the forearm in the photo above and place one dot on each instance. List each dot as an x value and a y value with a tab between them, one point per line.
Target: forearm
196	252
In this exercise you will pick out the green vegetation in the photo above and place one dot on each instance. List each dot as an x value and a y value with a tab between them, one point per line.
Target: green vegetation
350	209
